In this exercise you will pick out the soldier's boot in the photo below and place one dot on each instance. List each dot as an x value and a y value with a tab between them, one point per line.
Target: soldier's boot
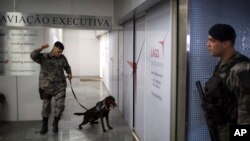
44	128
55	124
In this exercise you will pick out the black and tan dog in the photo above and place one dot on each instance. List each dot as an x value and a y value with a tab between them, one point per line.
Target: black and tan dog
101	110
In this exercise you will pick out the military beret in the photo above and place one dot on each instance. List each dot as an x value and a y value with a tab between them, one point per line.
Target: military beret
222	32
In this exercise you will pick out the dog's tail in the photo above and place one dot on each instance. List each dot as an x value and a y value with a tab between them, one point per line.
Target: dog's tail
79	114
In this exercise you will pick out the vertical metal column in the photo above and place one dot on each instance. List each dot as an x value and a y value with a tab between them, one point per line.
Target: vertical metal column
174	133
182	33
134	73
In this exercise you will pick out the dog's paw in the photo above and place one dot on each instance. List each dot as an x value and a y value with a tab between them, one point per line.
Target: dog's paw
104	130
110	127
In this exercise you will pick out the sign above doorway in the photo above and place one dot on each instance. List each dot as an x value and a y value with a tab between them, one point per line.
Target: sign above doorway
16	19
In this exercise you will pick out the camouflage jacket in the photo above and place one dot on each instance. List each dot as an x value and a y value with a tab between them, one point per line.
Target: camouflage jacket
238	82
52	77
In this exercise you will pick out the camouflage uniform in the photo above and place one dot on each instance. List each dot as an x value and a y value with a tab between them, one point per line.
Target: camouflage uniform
239	86
52	81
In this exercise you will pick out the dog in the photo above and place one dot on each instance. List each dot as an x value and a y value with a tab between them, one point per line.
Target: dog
101	110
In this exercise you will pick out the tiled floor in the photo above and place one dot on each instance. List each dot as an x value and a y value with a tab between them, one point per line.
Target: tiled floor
88	93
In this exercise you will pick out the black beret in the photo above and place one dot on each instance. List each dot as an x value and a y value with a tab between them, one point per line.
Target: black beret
59	45
222	32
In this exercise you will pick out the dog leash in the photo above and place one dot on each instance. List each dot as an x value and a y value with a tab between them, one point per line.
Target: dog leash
75	96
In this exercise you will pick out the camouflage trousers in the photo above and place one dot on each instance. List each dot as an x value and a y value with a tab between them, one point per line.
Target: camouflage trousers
59	98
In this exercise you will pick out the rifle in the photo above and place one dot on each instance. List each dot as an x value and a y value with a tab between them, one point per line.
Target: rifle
211	127
200	90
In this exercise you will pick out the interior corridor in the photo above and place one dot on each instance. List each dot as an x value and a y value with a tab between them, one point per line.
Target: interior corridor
88	93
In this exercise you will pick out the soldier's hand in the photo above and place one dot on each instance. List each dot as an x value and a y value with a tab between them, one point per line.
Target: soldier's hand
70	76
44	46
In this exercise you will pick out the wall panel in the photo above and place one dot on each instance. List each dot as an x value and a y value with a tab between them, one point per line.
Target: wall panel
128	73
203	15
159	73
140	85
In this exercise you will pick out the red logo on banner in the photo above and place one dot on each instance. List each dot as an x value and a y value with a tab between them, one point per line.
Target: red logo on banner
162	43
132	65
155	53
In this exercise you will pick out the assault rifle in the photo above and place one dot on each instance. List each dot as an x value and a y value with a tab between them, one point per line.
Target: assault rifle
211	127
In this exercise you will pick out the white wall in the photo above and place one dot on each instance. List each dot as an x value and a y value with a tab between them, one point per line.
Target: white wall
55	34
83	52
23	101
20	99
120	71
22	91
159	73
89	57
111	45
29	103
105	60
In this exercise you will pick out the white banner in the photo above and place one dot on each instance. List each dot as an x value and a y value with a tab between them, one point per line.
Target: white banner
15	48
158	90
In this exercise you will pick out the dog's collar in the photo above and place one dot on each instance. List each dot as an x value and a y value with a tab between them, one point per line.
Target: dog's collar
104	105
101	105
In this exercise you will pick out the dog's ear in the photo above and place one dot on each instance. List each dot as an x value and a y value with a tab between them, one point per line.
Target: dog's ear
112	98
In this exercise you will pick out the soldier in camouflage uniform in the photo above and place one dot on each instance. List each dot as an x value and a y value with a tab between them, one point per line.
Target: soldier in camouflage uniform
228	90
52	82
